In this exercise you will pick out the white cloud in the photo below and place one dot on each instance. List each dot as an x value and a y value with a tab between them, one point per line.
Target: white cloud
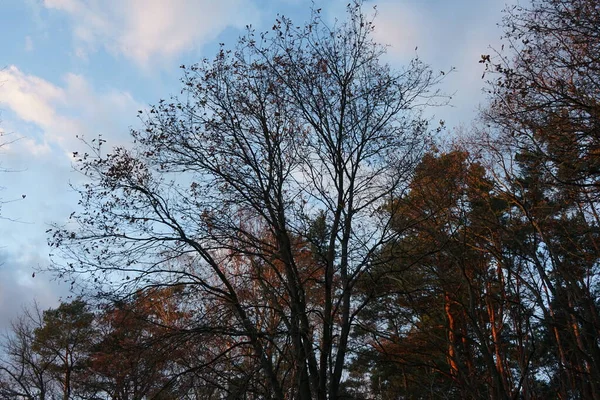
36	101
62	112
145	30
36	149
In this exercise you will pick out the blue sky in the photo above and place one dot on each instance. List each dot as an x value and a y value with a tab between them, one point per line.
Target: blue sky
84	67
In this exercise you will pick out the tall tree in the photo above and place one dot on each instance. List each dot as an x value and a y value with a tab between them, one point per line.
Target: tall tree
66	337
545	107
222	189
448	310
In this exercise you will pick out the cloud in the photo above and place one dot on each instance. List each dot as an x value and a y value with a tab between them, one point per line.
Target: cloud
400	26
18	287
151	30
43	118
444	40
37	101
28	44
62	112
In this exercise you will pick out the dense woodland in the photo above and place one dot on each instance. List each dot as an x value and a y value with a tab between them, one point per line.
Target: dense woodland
292	227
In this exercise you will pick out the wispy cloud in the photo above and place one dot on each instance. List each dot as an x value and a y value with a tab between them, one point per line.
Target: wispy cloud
444	35
151	30
28	44
401	26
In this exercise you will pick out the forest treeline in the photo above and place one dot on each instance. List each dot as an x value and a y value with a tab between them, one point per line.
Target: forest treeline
290	228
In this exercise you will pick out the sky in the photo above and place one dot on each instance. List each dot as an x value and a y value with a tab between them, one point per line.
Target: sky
82	68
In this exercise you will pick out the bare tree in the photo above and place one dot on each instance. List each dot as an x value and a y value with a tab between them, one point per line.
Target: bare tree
259	192
25	374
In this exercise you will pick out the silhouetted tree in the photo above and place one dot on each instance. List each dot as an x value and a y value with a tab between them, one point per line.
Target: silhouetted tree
221	192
